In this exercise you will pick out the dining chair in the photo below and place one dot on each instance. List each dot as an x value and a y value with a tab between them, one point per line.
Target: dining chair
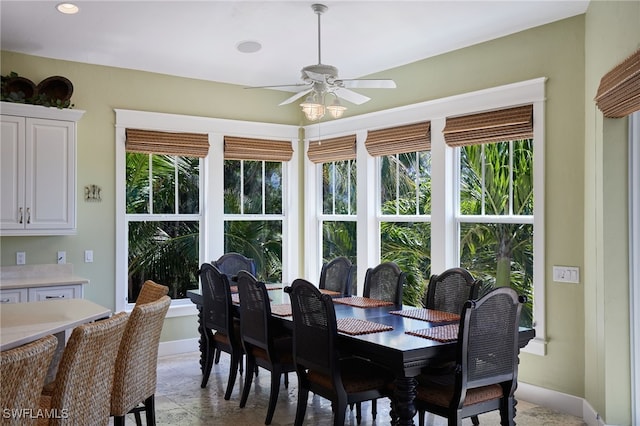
337	275
134	384
83	383
266	343
487	363
450	290
150	292
319	366
221	331
232	263
384	282
22	374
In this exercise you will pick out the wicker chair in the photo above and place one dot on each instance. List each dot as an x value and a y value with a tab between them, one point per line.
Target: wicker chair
266	344
82	387
217	316
135	376
150	292
487	363
22	374
232	263
337	275
384	282
450	290
319	367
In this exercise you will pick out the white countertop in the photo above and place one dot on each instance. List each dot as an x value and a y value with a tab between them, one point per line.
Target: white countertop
23	276
22	323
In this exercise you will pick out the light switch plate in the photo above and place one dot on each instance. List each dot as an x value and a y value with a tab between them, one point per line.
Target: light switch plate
566	274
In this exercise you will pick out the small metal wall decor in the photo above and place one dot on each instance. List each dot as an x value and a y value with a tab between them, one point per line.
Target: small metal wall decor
92	193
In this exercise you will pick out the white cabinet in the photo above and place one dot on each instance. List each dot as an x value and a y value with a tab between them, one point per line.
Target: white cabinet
39	294
38	170
37	283
14	295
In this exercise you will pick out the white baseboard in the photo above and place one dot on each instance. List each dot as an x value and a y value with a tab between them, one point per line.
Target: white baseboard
561	402
176	347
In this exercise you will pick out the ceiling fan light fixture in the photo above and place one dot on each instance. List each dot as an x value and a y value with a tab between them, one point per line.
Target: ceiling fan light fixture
336	109
312	109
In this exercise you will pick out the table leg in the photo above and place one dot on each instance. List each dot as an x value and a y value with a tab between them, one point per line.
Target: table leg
201	340
405	392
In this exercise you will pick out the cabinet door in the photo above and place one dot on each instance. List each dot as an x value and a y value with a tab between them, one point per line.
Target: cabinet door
50	174
12	181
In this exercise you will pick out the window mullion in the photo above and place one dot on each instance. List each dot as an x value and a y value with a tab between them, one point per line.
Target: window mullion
264	204
511	178
397	157
176	195
241	187
483	183
150	200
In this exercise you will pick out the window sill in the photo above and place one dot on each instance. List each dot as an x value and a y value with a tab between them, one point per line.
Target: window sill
178	308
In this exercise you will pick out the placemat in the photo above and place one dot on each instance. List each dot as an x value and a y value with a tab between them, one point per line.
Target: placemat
430	315
282	310
330	292
361	302
235	298
355	326
273	287
442	333
233	288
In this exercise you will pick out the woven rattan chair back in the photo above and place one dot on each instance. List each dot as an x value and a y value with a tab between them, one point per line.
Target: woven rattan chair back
450	290
22	373
150	292
217	316
384	282
85	374
337	275
265	343
487	359
136	365
318	364
232	263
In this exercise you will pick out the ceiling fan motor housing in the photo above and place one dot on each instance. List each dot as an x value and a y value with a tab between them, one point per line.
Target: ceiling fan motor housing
329	72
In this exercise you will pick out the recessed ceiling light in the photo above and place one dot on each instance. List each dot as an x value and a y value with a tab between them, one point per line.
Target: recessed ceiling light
248	46
67	8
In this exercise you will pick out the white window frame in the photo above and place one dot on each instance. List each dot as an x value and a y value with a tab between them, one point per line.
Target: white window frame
444	179
634	255
211	175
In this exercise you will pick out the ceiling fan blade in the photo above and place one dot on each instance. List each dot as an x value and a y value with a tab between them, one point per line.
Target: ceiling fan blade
351	96
368	84
294	86
294	97
315	76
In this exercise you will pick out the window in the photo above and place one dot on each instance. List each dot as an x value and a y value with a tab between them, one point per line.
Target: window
464	197
404	161
496	216
163	221
253	214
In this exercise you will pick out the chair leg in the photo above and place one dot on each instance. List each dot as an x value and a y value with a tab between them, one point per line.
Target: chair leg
248	379
301	407
150	410
138	418
118	420
234	365
374	408
358	412
208	360
273	395
217	357
474	420
339	413
286	380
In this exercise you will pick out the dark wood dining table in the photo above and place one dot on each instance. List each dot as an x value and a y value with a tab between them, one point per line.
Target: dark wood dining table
404	354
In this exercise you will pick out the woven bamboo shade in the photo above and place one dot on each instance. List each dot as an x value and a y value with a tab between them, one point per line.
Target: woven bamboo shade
237	148
399	140
619	91
168	143
335	149
493	126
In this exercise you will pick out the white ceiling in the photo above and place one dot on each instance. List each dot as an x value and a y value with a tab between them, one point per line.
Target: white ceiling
198	39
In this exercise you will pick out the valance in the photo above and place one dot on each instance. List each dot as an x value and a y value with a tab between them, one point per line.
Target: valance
619	91
399	140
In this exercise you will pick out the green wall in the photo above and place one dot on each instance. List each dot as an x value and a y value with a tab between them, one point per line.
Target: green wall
573	364
612	34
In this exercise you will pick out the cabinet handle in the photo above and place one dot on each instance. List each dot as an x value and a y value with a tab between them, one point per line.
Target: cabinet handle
20	221
5	300
61	296
28	215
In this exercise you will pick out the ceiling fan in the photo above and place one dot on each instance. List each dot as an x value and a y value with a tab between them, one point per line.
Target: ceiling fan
321	83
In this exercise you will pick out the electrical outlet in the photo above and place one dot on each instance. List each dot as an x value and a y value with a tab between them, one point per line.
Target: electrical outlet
62	257
21	258
88	256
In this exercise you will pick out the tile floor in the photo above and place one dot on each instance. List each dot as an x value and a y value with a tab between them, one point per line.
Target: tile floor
181	401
